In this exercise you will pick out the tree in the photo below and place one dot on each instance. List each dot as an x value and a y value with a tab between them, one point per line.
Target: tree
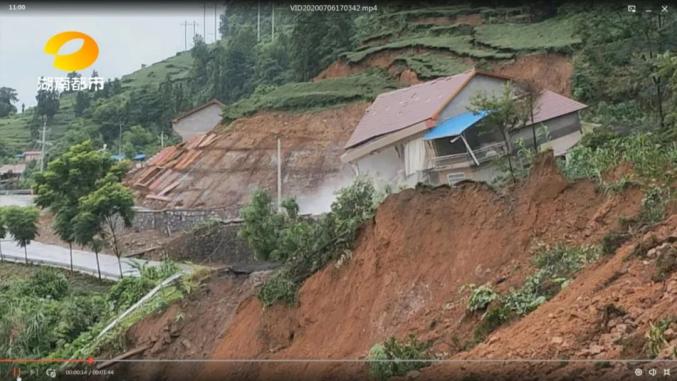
63	226
200	54
48	103
504	112
3	230
262	225
86	232
101	213
82	102
530	91
238	69
272	62
316	41
7	97
22	225
76	173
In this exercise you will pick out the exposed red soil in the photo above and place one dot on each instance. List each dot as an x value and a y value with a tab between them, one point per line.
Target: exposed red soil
605	314
407	271
189	330
382	60
550	71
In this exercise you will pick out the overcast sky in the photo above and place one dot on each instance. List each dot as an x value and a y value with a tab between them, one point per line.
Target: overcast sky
128	35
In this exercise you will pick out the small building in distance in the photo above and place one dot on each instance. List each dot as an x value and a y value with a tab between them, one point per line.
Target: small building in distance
29	156
10	174
199	120
425	133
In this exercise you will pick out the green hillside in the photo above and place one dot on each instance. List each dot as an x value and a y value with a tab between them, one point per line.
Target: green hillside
249	76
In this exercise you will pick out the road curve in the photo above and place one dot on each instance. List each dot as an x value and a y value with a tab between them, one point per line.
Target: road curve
83	261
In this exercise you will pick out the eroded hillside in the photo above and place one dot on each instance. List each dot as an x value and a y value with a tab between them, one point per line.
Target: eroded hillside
410	268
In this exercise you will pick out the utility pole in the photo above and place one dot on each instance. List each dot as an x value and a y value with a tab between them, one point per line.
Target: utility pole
258	22
272	22
120	138
279	175
162	139
195	24
42	149
204	21
216	38
185	35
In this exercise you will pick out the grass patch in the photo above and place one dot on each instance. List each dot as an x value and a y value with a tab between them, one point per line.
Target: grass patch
552	34
432	64
556	266
656	337
304	96
480	297
461	45
396	358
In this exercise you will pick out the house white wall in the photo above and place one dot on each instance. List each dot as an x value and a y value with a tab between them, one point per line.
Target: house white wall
386	168
199	122
486	172
556	127
477	85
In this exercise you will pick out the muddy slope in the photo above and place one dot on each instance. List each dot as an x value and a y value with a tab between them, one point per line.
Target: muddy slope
407	271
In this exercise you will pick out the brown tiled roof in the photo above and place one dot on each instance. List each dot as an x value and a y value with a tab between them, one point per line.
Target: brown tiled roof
395	110
551	105
399	109
164	171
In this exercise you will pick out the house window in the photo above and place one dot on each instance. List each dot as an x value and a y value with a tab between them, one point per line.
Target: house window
454	177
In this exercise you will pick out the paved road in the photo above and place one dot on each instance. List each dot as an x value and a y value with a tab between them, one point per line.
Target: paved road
83	261
16	199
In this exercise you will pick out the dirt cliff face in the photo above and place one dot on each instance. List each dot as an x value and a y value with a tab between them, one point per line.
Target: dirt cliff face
407	273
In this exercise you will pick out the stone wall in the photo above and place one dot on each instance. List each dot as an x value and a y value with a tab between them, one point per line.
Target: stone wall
169	221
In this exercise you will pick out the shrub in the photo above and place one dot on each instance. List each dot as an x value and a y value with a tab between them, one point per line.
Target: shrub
650	157
653	205
481	297
279	288
613	240
561	261
656	337
492	319
128	291
390	358
47	283
528	297
556	265
305	244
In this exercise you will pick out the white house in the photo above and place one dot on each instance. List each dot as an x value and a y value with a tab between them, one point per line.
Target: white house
424	133
199	120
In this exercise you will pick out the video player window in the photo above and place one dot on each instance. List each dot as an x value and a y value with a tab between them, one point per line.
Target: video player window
364	190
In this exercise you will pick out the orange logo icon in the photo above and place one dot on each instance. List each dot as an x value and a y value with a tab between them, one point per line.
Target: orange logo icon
79	60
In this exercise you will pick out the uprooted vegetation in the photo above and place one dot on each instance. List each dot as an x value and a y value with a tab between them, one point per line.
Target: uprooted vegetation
304	244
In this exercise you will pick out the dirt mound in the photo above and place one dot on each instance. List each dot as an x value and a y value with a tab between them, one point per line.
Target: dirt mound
407	271
550	71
